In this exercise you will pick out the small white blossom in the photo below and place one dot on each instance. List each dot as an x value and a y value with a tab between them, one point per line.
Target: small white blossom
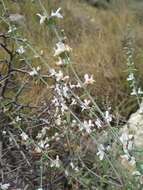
66	173
4	186
108	117
20	50
88	125
140	92
61	48
65	78
73	101
124	138
127	142
17	119
63	108
72	165
42	18
4	132
88	79
60	62
41	144
24	136
73	123
76	169
38	150
136	173
131	77
85	104
101	152
134	92
11	29
65	91
39	136
59	76
98	123
43	131
57	13
132	161
58	121
52	72
34	71
56	162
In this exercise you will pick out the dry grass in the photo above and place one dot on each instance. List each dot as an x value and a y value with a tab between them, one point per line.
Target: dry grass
97	37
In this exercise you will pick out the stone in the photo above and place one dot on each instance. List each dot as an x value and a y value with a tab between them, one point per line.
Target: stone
134	126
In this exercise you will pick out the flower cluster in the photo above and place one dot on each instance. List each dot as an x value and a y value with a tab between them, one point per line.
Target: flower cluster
45	17
127	143
135	90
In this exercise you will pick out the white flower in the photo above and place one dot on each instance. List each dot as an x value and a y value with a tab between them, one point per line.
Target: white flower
59	76
141	108
24	136
131	77
34	71
63	108
85	104
58	121
4	132
98	123
43	131
56	162
72	165
42	18
61	48
52	72
38	150
17	119
11	29
136	173
134	92
20	50
124	138
130	145
39	136
73	102
88	79
87	126
132	161
76	169
127	142
41	144
78	85
60	62
74	123
101	152
65	91
57	13
66	173
4	186
140	91
108	117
